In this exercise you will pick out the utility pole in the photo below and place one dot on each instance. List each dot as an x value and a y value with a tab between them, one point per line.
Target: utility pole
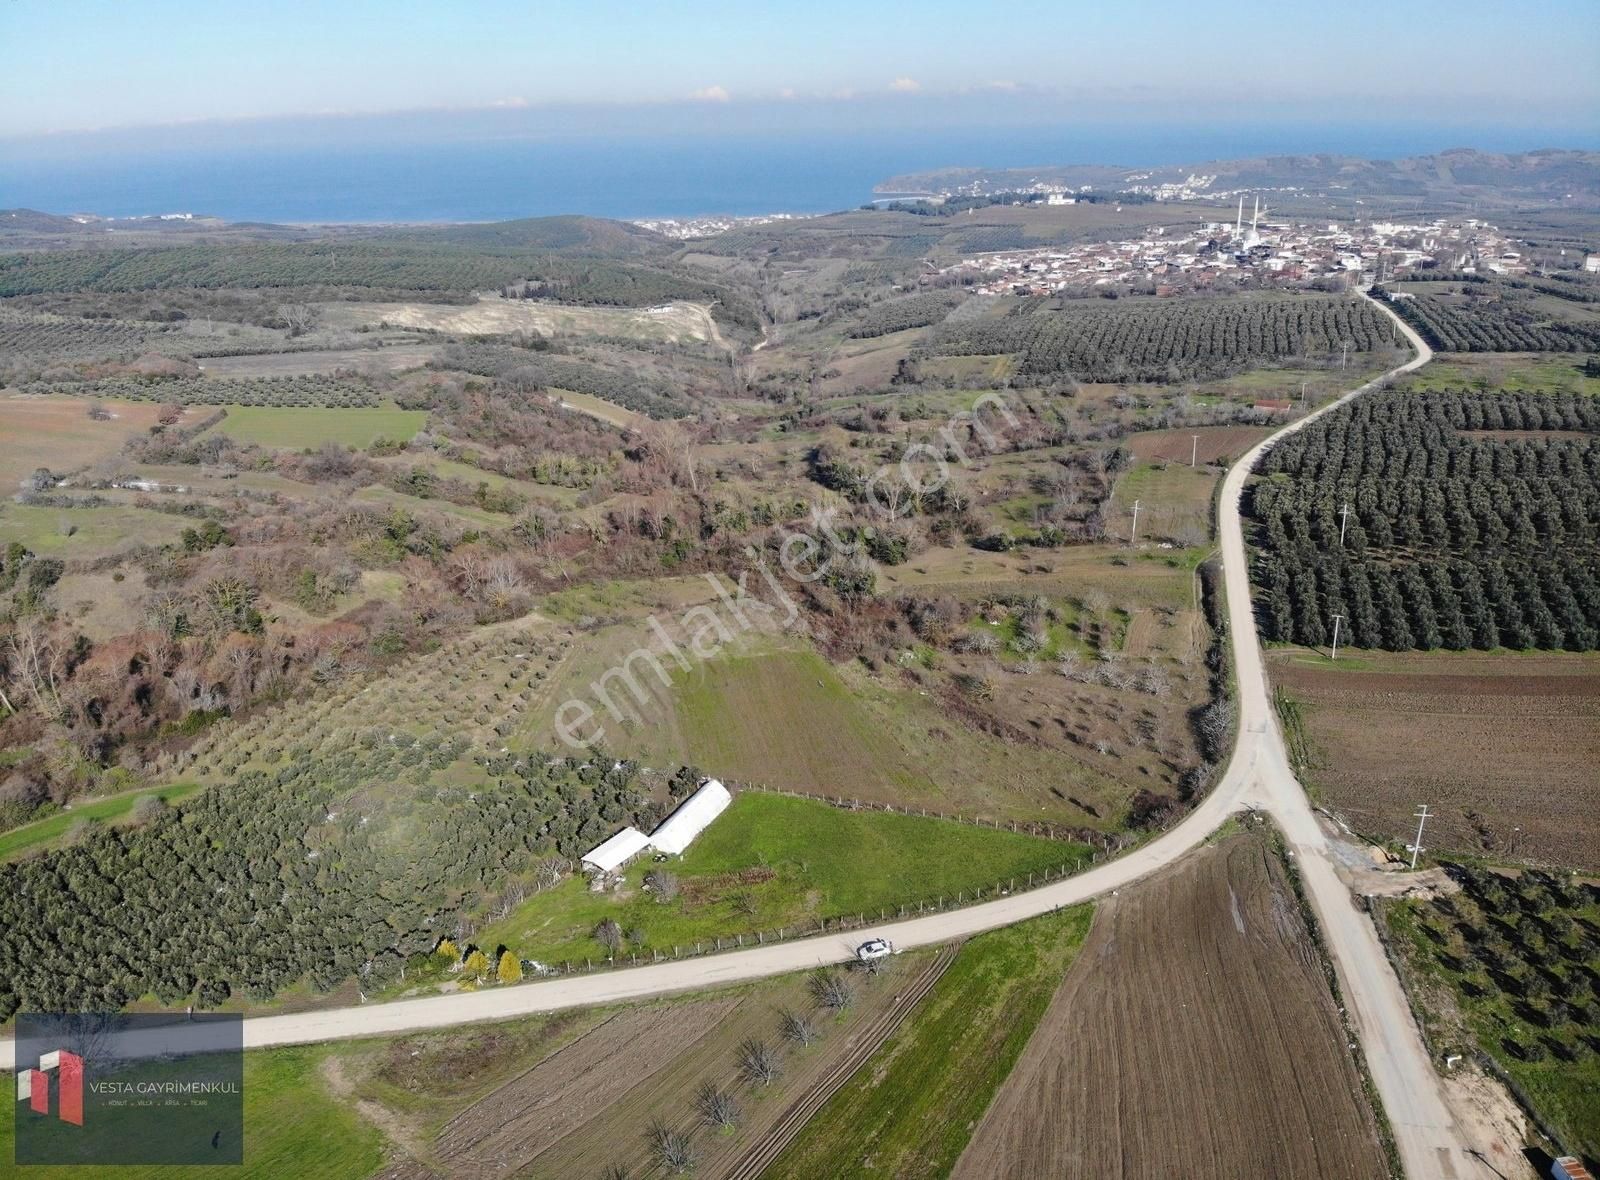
1416	849
1344	357
1194	448
1337	619
1134	532
1344	521
1302	395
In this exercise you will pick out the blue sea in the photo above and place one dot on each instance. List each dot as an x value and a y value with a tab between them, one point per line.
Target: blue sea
630	176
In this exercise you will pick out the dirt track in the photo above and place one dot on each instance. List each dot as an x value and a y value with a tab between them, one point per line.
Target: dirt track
1195	1028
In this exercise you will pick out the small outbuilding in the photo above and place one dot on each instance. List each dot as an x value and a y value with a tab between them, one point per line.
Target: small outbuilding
617	851
693	816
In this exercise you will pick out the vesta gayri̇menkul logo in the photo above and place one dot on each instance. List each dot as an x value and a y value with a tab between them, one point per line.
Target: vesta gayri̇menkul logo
33	1086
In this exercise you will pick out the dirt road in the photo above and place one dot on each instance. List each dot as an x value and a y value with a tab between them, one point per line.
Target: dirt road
1258	775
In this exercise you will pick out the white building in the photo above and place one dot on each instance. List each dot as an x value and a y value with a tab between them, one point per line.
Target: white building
694	816
617	851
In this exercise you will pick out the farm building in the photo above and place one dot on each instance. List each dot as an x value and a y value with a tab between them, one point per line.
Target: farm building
693	817
617	851
1570	1167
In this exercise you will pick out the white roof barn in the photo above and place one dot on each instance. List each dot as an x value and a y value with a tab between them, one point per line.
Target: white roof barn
617	851
691	818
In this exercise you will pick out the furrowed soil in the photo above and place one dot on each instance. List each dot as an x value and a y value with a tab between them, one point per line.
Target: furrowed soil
1502	747
586	1106
1196	1026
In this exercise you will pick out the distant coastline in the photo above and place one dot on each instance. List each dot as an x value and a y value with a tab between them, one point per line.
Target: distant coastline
633	179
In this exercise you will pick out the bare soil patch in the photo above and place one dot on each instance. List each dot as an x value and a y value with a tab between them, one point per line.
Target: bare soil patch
492	315
1197	1025
1503	748
1205	444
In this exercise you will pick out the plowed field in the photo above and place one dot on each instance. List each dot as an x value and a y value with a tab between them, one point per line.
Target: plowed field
1194	1036
1503	748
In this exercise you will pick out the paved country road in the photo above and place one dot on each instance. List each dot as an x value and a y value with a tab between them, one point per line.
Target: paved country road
1258	775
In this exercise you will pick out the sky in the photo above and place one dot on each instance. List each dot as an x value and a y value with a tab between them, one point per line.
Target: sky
162	73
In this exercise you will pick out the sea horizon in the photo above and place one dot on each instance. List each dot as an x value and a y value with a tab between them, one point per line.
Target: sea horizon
641	177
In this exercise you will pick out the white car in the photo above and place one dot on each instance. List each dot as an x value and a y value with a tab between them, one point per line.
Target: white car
874	948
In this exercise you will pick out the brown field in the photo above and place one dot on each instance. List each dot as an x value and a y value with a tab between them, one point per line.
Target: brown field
1194	1036
869	363
1176	446
584	1106
1503	748
61	435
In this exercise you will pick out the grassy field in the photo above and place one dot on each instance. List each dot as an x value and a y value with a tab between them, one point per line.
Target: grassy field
87	532
469	516
297	427
1505	370
772	861
725	709
598	407
293	1127
46	831
1174	502
911	1109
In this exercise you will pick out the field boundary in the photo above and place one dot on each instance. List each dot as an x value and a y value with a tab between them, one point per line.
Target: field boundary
794	1119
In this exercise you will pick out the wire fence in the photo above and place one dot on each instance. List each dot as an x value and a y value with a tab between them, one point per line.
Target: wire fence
835	924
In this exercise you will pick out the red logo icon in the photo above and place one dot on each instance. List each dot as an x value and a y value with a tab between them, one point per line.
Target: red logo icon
33	1086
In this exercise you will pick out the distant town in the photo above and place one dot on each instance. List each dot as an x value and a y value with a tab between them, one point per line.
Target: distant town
1249	250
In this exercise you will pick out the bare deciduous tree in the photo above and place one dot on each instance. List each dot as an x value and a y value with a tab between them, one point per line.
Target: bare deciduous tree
758	1062
798	1027
832	990
672	1148
609	935
663	883
717	1107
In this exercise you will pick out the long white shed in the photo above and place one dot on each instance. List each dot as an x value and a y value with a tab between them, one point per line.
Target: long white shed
612	854
693	816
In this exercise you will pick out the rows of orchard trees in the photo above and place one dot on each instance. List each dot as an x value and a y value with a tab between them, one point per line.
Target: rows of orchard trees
1420	534
1523	953
1503	322
288	875
1167	340
301	390
912	311
414	264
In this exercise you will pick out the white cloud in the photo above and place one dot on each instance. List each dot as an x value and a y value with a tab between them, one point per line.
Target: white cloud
905	85
516	103
711	94
787	92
